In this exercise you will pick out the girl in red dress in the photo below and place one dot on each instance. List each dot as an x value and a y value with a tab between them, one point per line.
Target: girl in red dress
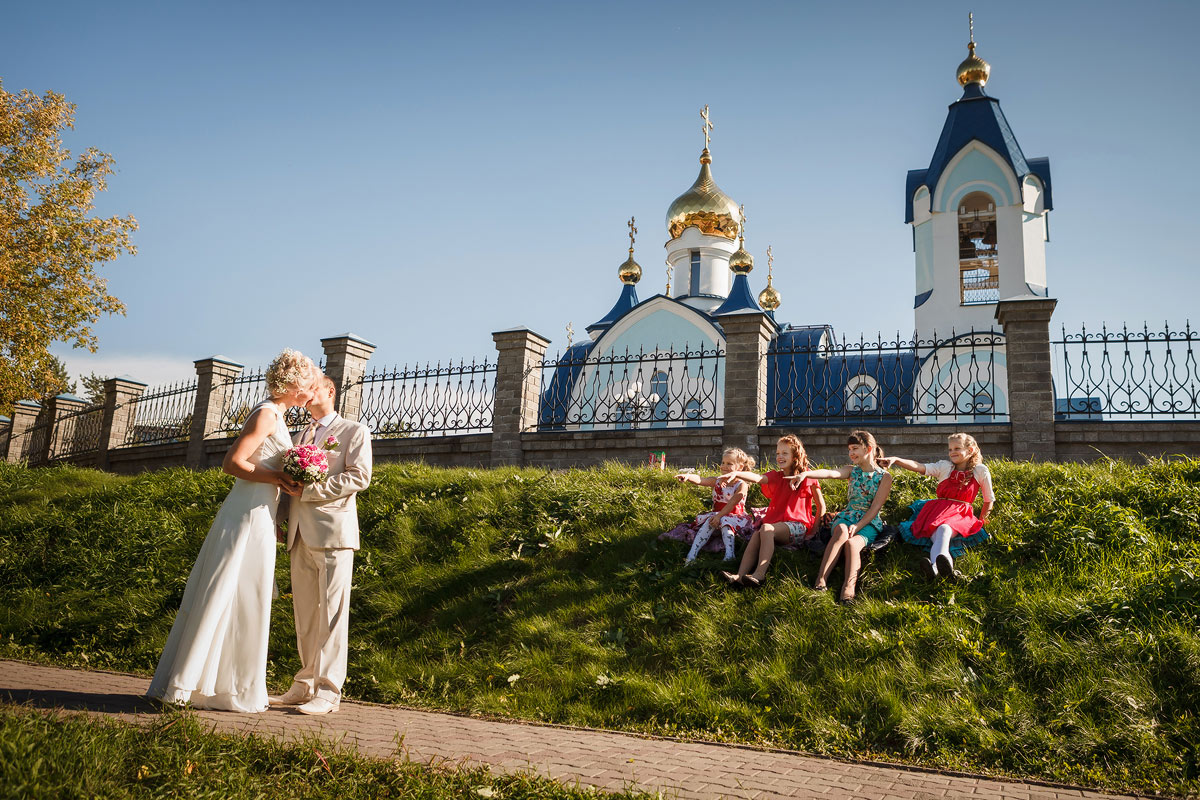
728	513
792	515
947	525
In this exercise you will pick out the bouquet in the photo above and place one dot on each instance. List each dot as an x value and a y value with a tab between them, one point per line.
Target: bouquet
308	463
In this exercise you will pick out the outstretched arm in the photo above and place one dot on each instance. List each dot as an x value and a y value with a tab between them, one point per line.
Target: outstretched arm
691	477
354	478
903	463
730	477
820	474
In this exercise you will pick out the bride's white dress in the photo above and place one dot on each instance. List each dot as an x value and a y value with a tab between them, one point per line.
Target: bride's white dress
216	653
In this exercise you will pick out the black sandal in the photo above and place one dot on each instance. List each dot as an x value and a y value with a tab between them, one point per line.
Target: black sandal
751	582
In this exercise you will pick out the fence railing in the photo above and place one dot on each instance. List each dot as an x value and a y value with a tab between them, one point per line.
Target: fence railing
1127	374
437	400
243	393
77	433
627	390
813	379
37	439
161	415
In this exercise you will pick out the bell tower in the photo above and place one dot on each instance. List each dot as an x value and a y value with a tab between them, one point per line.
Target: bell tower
978	213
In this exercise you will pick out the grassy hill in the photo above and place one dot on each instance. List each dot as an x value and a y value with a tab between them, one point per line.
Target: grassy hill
1071	653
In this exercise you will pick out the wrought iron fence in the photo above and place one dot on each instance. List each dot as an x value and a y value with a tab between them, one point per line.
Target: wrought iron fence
161	415
1127	374
437	400
35	447
626	390
814	379
76	433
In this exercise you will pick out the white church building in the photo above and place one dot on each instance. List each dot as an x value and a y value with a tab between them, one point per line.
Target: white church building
979	218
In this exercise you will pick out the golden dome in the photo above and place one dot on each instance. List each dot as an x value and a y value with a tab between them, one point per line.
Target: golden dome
769	298
973	69
629	272
741	262
704	206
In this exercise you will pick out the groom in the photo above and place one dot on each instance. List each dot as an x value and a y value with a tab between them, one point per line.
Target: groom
322	535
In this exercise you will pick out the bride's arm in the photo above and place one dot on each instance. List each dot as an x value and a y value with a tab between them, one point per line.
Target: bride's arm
237	461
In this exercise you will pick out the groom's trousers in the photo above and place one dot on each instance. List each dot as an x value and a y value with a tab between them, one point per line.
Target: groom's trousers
321	599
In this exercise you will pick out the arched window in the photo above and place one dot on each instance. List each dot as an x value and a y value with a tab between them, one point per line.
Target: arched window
862	394
978	255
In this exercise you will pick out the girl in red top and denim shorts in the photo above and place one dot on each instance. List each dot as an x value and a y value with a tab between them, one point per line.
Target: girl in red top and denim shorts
792	514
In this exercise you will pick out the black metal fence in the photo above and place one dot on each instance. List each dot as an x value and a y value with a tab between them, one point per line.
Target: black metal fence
814	379
35	447
625	390
243	393
161	415
76	433
1127	374
432	400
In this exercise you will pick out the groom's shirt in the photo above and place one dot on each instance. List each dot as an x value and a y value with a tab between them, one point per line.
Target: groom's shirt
322	425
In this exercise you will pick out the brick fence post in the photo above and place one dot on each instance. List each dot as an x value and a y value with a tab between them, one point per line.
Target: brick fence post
25	414
63	430
5	435
747	337
120	408
346	359
1026	324
519	353
212	375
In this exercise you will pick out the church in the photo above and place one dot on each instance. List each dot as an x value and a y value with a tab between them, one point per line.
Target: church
978	213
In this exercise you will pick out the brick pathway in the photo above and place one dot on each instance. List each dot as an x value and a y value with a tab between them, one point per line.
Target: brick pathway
598	758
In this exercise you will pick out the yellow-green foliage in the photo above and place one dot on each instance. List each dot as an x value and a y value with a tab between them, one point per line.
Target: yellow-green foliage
1070	653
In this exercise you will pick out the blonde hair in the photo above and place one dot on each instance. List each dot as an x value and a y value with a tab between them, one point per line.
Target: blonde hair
290	368
968	441
743	459
799	456
865	439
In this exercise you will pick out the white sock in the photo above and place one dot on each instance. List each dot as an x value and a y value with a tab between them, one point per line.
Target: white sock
702	537
940	544
727	538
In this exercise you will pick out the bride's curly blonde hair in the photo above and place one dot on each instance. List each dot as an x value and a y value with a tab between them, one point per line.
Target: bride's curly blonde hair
290	368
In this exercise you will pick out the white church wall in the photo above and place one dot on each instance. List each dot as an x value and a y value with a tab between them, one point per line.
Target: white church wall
975	164
715	277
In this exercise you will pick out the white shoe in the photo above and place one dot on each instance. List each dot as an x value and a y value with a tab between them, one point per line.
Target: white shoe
319	705
294	696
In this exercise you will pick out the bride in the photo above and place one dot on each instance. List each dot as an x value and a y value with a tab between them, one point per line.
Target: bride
216	653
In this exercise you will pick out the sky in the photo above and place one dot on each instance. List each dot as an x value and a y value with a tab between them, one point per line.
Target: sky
423	174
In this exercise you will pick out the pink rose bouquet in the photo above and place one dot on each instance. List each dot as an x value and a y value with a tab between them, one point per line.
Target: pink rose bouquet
306	463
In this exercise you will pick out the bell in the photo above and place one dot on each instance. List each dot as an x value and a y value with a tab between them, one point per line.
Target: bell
989	236
966	248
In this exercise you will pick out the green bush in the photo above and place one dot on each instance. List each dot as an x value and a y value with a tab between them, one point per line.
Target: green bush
1070	653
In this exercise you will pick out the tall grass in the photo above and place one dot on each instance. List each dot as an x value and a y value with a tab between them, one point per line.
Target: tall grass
59	756
1070	653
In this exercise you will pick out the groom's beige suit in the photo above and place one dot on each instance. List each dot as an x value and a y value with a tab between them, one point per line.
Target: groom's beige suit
322	535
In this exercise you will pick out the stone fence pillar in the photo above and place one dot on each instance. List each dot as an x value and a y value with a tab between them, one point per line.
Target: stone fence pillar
346	359
63	430
25	414
747	337
212	391
5	435
519	354
118	416
1026	324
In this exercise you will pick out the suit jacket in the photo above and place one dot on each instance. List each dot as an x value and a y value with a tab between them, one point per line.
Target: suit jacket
325	516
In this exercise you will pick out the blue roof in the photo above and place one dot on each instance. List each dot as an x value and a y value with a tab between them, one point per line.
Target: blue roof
974	116
625	303
556	396
740	298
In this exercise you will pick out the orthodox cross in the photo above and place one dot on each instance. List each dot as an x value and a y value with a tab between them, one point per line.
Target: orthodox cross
770	261
632	232
668	292
742	214
707	126
570	334
971	25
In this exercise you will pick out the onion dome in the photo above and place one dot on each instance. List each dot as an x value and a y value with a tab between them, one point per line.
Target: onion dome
704	206
973	69
769	297
741	262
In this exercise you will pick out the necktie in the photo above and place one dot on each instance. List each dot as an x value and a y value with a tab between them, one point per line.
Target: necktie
310	433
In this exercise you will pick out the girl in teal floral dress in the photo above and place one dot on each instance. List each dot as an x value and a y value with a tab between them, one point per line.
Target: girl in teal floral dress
858	523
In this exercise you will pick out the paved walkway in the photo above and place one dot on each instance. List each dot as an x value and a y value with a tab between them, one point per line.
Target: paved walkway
597	758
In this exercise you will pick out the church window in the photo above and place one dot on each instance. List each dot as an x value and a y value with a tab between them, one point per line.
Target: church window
978	257
862	394
694	275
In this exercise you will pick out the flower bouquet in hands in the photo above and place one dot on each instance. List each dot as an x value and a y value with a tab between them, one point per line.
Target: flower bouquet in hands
308	463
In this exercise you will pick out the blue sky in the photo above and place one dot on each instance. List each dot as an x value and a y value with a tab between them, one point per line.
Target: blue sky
425	174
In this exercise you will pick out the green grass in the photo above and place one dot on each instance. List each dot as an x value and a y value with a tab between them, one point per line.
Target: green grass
1071	654
48	756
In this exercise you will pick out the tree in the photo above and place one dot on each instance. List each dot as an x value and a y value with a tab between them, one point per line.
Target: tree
92	388
50	246
52	381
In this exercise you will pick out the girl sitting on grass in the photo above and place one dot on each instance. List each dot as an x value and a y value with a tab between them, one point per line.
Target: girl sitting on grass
857	525
728	504
947	525
792	514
